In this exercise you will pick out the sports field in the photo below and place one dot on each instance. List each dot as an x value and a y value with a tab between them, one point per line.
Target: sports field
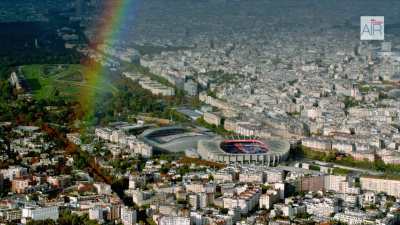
68	80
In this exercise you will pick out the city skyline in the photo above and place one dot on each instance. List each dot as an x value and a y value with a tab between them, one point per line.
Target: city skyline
211	112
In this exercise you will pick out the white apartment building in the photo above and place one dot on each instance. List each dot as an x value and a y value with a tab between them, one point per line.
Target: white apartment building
268	199
280	188
390	187
103	133
40	213
118	136
173	220
251	177
246	200
103	188
317	143
191	87
369	197
321	208
156	88
14	172
212	118
196	218
383	115
292	210
128	216
223	176
274	176
342	146
332	182
351	218
214	101
248	129
96	213
198	201
195	187
139	147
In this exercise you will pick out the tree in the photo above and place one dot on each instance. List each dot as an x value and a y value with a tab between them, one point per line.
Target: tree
164	169
42	222
68	218
224	211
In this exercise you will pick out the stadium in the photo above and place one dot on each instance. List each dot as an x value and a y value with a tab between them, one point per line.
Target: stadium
268	152
210	147
174	139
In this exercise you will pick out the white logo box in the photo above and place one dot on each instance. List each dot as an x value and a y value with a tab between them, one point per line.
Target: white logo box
372	28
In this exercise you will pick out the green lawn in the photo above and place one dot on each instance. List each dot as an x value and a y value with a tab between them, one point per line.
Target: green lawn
68	80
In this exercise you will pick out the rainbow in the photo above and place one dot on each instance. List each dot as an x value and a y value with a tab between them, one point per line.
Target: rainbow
108	31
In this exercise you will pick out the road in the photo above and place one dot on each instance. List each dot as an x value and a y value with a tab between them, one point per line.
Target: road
370	172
